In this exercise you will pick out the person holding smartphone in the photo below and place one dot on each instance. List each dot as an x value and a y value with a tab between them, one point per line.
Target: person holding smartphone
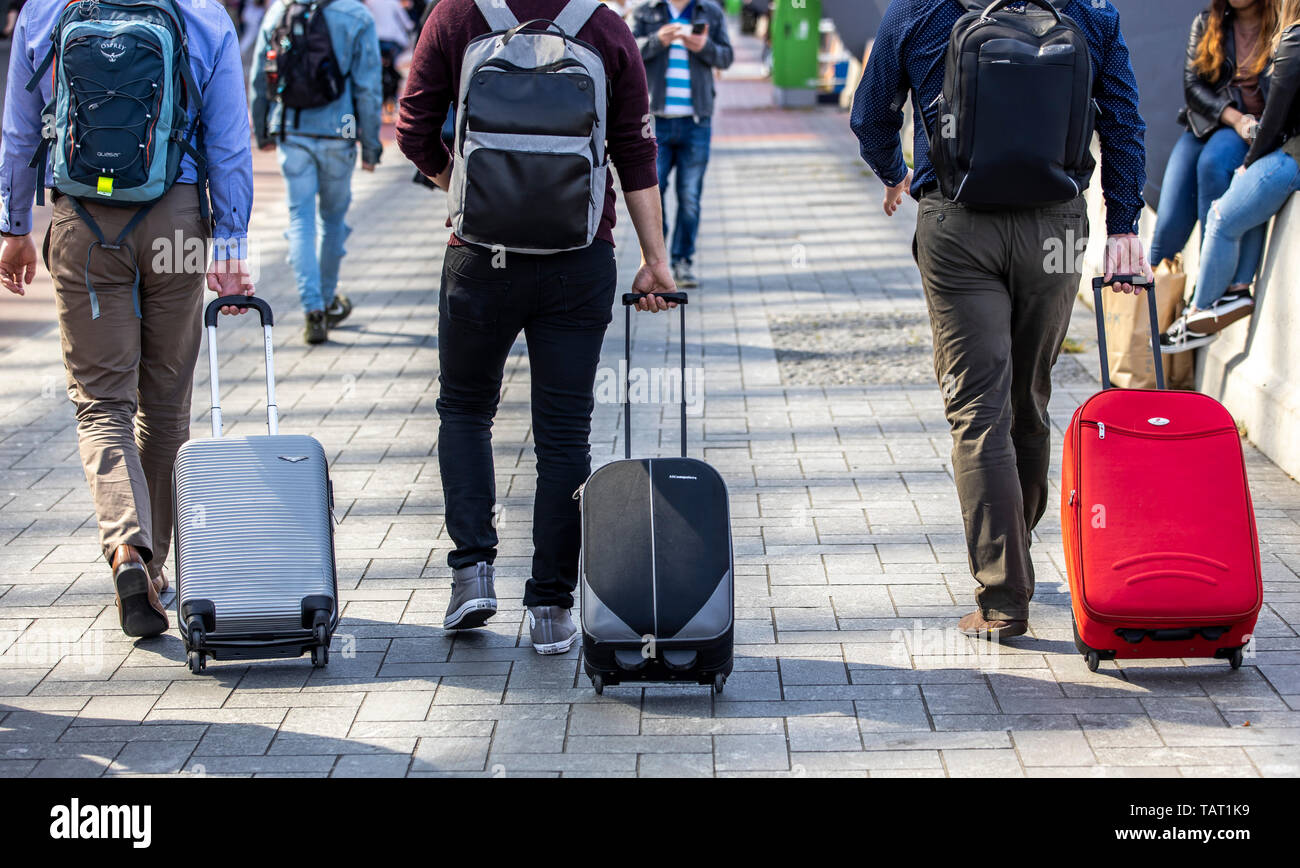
682	42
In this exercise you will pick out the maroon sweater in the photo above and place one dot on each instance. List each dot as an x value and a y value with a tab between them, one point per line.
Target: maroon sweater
434	82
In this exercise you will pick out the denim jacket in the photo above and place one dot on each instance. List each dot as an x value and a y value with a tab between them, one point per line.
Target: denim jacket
356	113
716	54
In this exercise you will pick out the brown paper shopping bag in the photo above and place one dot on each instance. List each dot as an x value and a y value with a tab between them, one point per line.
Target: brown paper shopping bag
1128	333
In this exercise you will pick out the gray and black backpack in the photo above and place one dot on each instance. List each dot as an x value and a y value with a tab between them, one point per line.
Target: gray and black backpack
1013	126
530	168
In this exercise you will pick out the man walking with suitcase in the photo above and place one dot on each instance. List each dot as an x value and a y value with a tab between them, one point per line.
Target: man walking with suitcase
128	296
998	244
532	209
316	91
682	43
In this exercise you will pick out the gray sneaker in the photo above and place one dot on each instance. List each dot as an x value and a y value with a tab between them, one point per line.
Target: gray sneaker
473	597
552	629
684	274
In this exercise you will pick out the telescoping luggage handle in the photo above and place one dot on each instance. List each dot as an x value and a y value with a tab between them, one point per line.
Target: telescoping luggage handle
247	302
1100	283
630	299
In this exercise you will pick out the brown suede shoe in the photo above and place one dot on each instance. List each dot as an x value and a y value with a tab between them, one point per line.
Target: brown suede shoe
139	610
976	625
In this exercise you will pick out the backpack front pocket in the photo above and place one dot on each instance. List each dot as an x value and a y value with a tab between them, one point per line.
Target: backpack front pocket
527	200
523	102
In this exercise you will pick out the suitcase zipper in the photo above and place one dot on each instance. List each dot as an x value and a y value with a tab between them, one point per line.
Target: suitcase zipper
1101	430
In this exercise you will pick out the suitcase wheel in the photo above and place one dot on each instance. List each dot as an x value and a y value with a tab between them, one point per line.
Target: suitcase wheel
196	660
1236	658
719	681
598	684
320	653
1093	659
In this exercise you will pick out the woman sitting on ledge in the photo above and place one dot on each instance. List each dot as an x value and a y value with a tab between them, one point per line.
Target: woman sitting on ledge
1264	183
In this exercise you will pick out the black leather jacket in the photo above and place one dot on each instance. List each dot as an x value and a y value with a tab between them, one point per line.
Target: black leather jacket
1281	120
1206	100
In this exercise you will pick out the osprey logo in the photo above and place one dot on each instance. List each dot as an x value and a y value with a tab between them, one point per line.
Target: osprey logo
292	459
112	49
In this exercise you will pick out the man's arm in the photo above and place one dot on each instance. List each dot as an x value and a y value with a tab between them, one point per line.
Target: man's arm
716	50
367	91
1123	158
654	277
651	40
424	104
877	115
21	137
224	122
257	101
633	151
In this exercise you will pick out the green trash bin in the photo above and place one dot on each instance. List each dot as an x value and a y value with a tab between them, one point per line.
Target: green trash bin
733	7
796	43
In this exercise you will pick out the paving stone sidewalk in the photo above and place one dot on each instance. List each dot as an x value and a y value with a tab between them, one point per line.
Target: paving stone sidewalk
849	555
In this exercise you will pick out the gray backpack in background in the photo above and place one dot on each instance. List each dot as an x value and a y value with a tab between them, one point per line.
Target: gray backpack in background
530	167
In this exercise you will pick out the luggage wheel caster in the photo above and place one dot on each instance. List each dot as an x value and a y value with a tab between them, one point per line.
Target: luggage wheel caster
1236	658
196	661
1093	659
718	682
320	655
598	684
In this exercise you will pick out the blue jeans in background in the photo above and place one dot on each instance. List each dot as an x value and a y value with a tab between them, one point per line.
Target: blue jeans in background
318	177
684	145
1238	222
1198	172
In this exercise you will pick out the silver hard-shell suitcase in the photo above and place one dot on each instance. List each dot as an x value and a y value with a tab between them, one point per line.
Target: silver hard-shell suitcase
255	570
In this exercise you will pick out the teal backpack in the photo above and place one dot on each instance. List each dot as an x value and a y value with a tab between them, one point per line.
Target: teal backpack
125	110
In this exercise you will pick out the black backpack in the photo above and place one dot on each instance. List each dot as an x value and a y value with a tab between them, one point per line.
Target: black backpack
301	69
1013	126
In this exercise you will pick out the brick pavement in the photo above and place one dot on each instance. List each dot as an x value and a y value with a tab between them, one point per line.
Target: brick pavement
849	556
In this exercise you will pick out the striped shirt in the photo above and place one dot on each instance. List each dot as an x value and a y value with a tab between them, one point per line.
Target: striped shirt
677	101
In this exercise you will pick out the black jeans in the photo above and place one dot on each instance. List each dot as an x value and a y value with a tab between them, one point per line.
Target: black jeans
563	304
1000	287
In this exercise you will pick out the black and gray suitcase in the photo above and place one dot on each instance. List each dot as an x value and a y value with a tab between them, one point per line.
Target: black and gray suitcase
657	572
255	571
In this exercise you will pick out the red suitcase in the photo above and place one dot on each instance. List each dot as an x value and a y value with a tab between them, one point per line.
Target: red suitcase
1160	540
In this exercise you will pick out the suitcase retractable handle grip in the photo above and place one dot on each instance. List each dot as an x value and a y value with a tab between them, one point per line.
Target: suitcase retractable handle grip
629	299
263	309
245	302
1098	301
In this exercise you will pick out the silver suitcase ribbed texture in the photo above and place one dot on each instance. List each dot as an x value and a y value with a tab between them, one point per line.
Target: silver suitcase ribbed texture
255	571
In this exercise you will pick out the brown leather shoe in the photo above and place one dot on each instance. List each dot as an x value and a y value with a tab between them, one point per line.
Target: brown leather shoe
139	610
975	624
160	583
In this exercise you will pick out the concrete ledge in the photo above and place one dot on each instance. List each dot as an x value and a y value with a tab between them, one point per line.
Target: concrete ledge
1254	366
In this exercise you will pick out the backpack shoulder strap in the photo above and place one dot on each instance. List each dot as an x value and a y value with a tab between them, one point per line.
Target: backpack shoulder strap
497	13
574	16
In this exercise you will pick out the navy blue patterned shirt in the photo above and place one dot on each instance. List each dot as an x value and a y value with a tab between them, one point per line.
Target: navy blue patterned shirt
909	56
